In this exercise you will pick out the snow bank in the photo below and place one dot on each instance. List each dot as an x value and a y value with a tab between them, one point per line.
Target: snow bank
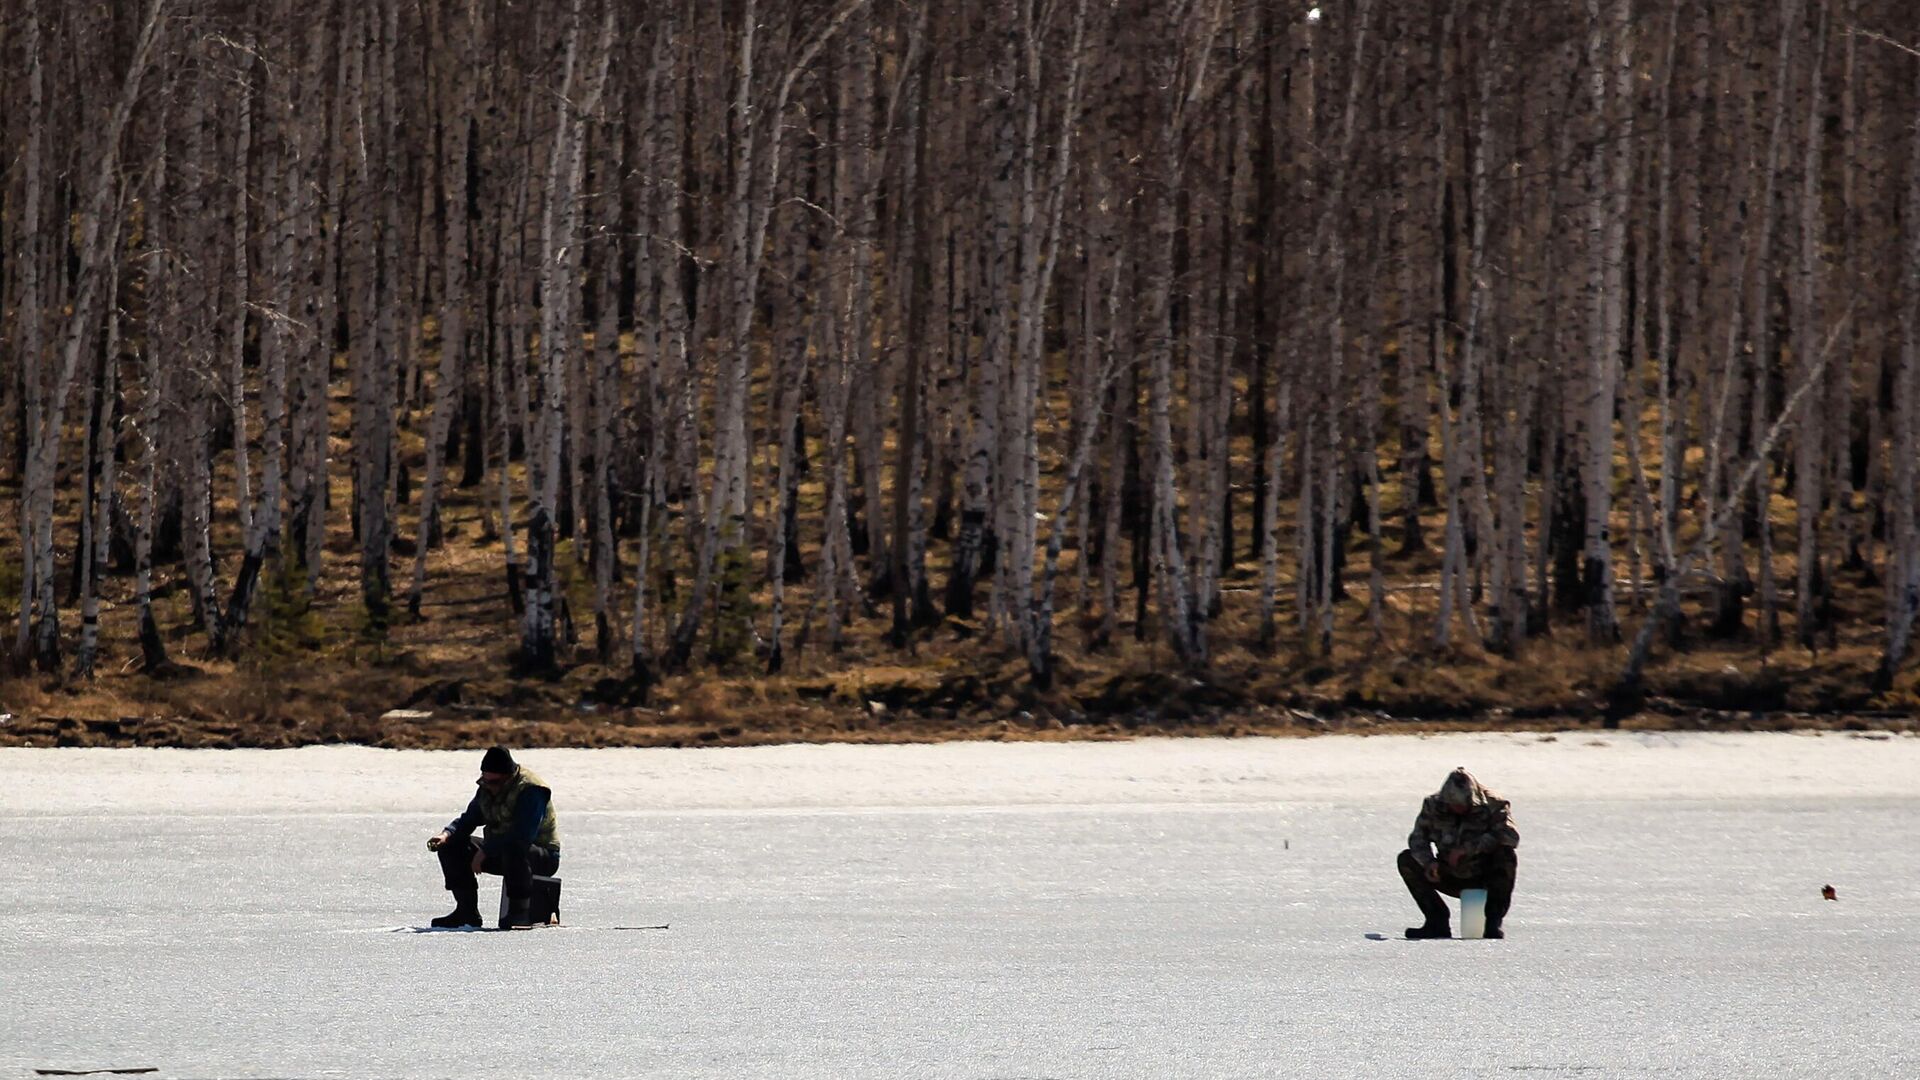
1146	772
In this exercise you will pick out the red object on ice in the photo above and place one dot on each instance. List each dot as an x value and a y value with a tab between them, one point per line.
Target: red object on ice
1827	892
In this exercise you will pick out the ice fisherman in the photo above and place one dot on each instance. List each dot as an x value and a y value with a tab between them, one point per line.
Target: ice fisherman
521	840
1463	839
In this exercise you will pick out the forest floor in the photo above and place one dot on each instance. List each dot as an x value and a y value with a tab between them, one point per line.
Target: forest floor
444	682
318	674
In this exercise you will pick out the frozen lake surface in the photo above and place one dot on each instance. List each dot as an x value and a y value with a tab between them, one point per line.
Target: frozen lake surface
1150	909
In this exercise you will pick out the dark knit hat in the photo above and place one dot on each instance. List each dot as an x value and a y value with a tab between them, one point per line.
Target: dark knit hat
497	761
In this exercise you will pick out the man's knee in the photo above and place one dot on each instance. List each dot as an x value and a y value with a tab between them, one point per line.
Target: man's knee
1501	868
1409	866
543	862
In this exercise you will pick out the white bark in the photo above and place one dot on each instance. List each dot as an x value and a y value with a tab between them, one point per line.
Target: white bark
1335	221
1903	541
1041	212
99	229
757	160
29	335
1751	280
844	351
982	477
98	525
1186	69
195	319
261	522
236	343
559	262
605	381
1808	458
450	376
1610	58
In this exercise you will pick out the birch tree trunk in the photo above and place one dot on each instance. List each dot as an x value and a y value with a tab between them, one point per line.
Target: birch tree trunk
1337	343
99	231
30	347
98	524
791	365
1666	300
1903	538
236	341
906	488
153	648
559	274
980	528
281	175
1041	213
756	177
319	190
1185	619
373	378
606	384
450	376
846	353
1610	54
1808	455
1753	280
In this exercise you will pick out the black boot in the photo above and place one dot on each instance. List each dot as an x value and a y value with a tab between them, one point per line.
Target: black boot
1493	930
517	913
466	910
1427	897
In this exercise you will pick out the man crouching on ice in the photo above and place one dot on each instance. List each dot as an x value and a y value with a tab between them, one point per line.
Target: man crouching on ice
517	809
1463	839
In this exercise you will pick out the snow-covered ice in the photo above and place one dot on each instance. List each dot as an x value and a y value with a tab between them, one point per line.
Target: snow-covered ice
1160	908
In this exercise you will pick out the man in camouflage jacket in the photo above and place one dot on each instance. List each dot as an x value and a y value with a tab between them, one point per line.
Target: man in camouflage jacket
521	840
1463	839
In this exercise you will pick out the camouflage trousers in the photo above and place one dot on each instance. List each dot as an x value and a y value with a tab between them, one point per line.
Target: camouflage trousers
1494	874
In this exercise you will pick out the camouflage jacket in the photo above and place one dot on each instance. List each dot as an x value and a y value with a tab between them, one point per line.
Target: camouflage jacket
1486	827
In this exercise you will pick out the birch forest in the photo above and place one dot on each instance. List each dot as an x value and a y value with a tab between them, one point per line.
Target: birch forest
1271	343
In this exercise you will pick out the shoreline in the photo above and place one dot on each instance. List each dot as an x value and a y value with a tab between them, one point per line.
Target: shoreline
428	729
1253	773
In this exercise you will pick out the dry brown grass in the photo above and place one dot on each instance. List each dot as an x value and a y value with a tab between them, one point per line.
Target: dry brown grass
955	681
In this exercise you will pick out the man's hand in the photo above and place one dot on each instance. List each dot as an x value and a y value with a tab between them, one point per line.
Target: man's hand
479	858
1433	873
1454	857
438	840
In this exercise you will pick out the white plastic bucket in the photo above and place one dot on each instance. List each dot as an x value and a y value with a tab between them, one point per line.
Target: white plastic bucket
1473	913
